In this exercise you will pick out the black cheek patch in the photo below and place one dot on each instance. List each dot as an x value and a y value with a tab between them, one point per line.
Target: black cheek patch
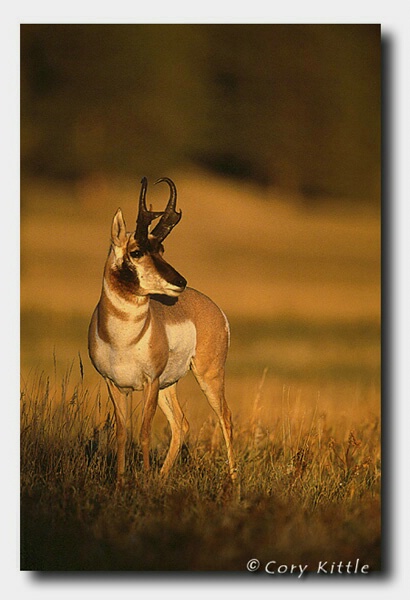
127	277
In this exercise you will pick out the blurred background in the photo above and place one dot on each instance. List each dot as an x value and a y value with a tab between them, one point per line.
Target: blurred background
272	136
295	106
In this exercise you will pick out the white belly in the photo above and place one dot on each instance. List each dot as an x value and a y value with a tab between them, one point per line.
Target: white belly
182	343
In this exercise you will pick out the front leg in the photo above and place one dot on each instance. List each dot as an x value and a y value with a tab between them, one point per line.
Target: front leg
150	406
119	400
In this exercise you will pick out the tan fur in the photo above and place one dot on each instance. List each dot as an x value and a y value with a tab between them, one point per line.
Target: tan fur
140	339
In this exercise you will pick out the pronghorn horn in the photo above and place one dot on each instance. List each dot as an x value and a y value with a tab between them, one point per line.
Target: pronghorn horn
170	217
145	216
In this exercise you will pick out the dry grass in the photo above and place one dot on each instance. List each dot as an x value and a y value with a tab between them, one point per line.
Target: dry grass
310	484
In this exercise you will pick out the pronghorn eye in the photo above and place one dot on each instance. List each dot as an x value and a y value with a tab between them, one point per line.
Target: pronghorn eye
136	254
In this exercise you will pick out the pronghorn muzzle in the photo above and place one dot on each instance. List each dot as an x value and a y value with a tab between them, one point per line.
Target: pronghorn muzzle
169	217
168	273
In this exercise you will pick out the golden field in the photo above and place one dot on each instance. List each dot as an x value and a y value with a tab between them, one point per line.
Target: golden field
300	285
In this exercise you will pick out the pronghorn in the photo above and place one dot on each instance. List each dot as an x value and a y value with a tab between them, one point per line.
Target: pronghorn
149	329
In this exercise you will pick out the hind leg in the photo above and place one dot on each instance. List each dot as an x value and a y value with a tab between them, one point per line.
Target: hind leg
168	402
212	384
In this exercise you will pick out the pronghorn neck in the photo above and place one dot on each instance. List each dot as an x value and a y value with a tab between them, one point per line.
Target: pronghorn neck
127	304
123	317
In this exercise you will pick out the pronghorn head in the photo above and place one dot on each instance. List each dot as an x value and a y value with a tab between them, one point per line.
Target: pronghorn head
138	266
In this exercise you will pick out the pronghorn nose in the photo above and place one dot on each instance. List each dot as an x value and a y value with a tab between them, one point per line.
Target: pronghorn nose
179	281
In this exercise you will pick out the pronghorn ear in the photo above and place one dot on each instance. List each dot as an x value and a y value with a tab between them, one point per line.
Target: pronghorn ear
118	230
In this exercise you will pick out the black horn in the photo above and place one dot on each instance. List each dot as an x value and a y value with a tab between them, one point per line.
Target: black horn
170	217
145	216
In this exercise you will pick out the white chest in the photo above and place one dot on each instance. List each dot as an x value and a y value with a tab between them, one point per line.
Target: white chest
130	364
